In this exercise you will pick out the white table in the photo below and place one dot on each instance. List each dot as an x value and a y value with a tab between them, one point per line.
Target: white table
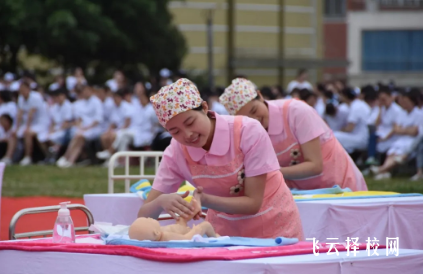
373	217
21	262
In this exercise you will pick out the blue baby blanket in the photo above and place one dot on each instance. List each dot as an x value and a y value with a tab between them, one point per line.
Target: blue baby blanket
213	242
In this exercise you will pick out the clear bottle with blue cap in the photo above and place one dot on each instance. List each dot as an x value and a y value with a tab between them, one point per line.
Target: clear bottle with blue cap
64	230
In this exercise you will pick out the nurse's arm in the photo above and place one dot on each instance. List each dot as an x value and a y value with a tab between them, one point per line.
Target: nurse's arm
249	204
312	165
349	128
151	207
173	203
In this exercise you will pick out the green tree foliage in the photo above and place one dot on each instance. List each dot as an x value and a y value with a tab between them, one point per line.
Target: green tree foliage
100	33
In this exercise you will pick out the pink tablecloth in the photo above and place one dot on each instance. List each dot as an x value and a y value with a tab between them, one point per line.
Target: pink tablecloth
12	261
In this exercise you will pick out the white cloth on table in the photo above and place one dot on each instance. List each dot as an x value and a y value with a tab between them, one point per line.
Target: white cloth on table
358	139
341	218
404	142
339	121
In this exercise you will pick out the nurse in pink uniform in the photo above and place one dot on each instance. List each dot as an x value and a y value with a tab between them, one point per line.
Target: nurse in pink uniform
309	155
230	158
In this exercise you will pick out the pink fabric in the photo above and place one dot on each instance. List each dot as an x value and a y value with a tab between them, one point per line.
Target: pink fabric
338	168
278	215
255	144
302	121
174	254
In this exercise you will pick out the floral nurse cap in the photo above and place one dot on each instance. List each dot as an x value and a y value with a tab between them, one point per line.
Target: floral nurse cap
237	95
175	98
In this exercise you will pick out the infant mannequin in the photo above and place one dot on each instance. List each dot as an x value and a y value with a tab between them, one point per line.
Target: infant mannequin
150	229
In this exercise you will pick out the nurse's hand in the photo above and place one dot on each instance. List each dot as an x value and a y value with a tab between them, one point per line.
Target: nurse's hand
175	204
198	194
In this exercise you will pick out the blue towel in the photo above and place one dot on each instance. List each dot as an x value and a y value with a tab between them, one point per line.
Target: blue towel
233	241
333	190
361	197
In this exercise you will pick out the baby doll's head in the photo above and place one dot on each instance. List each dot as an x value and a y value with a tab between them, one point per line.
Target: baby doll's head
145	229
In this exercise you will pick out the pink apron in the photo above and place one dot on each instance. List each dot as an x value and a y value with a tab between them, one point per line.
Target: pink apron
278	215
338	167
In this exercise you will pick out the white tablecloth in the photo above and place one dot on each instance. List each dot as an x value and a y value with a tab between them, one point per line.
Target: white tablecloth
21	262
374	217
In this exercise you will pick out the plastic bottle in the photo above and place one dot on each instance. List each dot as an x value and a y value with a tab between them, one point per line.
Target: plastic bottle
64	231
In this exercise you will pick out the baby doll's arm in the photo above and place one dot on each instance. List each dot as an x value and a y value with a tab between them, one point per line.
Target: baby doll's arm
171	236
204	228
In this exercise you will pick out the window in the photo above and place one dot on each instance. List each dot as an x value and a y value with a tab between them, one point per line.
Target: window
397	50
335	8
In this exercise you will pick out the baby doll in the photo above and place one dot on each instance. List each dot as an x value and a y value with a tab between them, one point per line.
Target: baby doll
150	229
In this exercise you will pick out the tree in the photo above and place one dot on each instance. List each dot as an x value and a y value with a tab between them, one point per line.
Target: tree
99	33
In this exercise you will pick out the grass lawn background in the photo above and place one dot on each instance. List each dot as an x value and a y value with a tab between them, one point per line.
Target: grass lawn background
75	182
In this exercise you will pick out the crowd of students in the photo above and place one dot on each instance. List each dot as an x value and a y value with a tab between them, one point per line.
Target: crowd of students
74	121
383	122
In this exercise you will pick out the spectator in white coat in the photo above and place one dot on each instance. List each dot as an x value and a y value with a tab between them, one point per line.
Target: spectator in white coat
407	127
300	82
121	120
61	114
117	82
88	112
355	135
32	120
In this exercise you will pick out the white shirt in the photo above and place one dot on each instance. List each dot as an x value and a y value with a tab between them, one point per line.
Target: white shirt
144	124
295	84
53	86
108	106
9	108
112	84
414	118
122	112
358	115
339	121
89	111
388	117
61	113
34	101
219	108
71	82
374	113
320	106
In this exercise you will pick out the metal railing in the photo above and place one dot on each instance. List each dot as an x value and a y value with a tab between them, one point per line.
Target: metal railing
128	177
45	209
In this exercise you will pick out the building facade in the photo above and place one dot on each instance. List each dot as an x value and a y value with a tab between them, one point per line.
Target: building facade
383	40
256	35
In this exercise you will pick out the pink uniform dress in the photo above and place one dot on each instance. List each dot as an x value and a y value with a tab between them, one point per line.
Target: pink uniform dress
338	167
278	215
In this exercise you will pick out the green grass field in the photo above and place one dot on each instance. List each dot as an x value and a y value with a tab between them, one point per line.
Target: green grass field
75	182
